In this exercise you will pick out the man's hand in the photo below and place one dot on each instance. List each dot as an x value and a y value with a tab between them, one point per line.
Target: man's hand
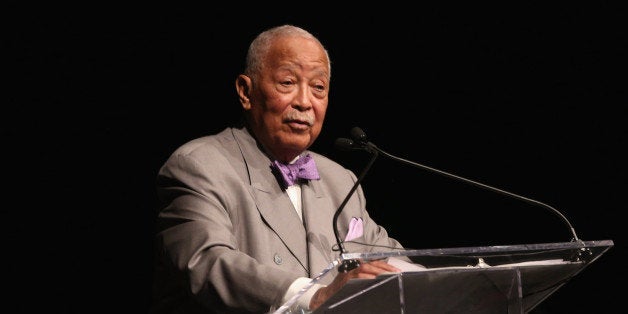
367	270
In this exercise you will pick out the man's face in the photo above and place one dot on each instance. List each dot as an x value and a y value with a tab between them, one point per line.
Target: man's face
288	100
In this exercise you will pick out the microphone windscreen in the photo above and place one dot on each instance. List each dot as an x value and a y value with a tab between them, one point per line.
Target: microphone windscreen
358	135
344	144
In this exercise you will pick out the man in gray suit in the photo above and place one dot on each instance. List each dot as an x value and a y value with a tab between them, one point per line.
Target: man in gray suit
240	232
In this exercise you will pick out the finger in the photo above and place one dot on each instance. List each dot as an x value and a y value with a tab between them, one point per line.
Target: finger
376	268
383	265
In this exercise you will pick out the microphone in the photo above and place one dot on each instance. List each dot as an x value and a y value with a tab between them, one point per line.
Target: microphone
360	142
347	144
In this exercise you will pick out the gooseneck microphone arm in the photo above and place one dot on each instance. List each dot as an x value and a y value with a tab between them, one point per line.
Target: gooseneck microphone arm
347	265
362	143
346	144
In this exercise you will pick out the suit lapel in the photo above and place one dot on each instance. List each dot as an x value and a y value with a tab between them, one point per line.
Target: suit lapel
272	201
318	216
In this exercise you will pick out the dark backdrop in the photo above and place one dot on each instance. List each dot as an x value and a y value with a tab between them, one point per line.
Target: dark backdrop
525	97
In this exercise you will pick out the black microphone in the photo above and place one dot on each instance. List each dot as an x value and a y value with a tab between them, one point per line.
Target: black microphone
347	144
361	143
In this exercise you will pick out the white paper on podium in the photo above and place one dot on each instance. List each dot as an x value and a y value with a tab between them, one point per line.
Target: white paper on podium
405	266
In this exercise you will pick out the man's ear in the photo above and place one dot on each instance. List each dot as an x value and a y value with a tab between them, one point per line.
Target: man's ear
243	87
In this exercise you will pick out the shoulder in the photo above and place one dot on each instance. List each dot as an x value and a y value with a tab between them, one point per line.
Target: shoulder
206	150
205	144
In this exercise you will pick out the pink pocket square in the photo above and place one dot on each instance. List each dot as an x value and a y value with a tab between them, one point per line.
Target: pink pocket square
355	229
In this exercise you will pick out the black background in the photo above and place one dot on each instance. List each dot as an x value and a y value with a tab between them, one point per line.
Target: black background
526	97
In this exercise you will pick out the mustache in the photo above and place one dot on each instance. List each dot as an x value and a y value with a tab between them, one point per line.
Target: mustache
300	116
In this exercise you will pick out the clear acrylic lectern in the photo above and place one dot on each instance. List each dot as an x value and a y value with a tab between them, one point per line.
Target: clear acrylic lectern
472	280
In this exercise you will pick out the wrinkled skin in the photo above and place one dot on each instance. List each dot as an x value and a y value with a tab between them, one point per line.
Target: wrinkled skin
285	104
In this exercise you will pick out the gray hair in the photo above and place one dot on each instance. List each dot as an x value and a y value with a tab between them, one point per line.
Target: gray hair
261	44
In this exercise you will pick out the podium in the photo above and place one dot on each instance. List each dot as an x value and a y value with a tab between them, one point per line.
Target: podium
473	280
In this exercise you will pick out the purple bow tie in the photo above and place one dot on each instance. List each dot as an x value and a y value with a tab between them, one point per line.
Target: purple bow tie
303	168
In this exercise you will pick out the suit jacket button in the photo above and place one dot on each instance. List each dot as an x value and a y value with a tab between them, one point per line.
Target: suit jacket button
278	259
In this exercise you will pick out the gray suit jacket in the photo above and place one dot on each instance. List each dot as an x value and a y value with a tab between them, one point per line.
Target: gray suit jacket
229	238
